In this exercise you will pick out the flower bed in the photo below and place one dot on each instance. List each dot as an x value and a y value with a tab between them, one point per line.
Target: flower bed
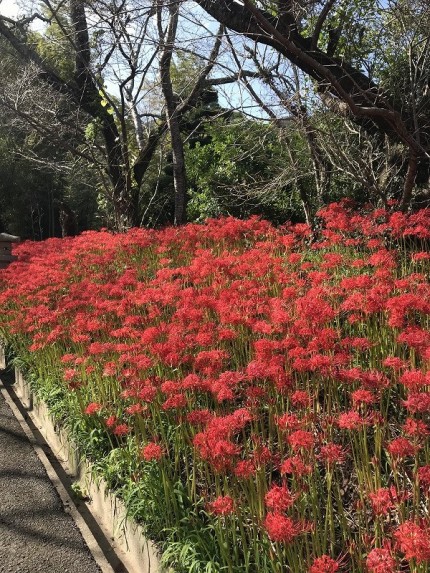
258	402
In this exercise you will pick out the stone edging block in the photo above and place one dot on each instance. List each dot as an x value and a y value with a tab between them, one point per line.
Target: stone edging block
2	358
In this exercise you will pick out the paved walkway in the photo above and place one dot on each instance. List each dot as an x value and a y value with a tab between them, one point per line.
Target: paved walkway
37	535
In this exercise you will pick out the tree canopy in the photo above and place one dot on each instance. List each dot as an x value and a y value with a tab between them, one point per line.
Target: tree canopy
128	93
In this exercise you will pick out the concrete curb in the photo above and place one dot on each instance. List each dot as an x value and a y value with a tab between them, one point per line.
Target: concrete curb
127	540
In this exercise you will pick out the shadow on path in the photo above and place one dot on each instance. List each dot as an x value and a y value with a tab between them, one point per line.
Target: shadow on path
37	534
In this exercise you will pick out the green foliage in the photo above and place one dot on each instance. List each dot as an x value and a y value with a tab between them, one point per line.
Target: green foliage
54	43
92	130
27	195
30	193
353	26
232	171
184	71
104	102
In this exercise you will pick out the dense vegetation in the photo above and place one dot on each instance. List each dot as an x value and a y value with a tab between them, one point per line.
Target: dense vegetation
260	403
132	113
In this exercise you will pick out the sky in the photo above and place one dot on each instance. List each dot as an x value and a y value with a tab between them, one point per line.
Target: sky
8	8
229	95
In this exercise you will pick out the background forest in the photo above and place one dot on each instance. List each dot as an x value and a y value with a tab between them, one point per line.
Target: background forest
121	113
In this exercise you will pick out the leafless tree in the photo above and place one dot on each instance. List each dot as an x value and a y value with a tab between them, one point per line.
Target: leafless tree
118	54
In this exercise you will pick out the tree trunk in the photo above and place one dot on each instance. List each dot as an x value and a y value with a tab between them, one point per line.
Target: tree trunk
307	209
173	117
409	184
179	174
123	204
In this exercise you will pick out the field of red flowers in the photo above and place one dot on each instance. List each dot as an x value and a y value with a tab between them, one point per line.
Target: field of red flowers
262	390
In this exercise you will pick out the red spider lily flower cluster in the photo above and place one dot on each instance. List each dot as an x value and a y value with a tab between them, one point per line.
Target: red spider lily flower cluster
152	451
414	541
324	564
281	528
381	560
292	377
222	505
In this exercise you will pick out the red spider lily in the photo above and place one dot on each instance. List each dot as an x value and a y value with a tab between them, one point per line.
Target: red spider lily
70	374
356	303
374	244
300	399
363	396
175	401
423	476
170	387
414	379
147	393
314	308
332	453
350	420
67	358
152	451
110	369
381	560
247	346
351	374
422	256
194	382
359	343
134	409
271	369
415	338
222	505
417	402
383	258
289	422
416	428
281	528
414	541
279	498
401	448
199	417
244	469
384	499
111	421
394	362
215	445
225	385
121	430
397	221
324	564
301	439
93	408
332	260
375	380
265	349
323	340
295	466
210	361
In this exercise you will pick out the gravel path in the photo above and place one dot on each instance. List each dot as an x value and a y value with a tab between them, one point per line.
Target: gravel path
36	533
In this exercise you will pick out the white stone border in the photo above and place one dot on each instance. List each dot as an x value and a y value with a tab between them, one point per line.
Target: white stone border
127	539
2	358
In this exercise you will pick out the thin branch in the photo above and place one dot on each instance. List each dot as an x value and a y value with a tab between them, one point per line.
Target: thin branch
320	23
